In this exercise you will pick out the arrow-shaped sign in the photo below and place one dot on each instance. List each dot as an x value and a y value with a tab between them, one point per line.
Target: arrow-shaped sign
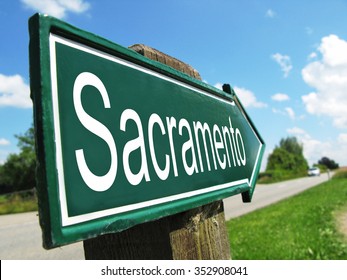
123	140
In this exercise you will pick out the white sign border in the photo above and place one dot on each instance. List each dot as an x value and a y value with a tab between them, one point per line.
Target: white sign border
72	220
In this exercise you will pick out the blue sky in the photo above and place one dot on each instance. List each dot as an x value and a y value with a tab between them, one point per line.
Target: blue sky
287	60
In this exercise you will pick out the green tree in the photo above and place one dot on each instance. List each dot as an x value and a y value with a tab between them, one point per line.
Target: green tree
292	146
288	157
280	159
18	172
329	163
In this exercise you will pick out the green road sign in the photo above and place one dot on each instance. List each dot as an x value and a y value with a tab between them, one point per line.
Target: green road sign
122	140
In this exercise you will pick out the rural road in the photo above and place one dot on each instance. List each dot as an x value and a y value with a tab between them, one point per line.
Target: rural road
20	234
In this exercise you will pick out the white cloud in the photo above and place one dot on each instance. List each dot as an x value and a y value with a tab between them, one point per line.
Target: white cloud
4	142
290	112
248	98
284	62
280	97
334	50
276	111
342	139
57	8
312	55
14	92
297	131
328	76
315	149
219	86
270	13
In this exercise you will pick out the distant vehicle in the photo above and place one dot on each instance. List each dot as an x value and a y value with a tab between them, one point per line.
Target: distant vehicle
314	171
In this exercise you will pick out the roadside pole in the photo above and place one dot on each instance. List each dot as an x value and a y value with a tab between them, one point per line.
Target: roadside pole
197	234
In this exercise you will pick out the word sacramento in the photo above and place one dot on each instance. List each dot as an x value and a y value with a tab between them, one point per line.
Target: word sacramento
224	144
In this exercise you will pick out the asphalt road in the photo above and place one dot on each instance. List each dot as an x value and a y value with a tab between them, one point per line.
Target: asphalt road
20	234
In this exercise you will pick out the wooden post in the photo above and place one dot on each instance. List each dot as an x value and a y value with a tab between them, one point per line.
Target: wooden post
198	234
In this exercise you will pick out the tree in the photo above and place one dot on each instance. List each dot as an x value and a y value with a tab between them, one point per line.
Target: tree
280	159
288	157
292	146
329	163
18	172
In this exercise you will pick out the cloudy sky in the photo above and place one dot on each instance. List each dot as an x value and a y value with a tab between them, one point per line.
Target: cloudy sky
287	60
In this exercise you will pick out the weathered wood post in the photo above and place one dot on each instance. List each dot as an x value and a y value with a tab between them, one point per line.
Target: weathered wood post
199	233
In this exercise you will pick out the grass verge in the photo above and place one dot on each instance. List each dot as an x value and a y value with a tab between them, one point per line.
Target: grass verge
299	228
274	176
18	203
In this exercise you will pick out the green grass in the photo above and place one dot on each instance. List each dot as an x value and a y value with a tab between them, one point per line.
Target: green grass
301	227
17	203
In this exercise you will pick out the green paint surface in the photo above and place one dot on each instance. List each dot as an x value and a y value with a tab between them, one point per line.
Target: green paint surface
193	173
